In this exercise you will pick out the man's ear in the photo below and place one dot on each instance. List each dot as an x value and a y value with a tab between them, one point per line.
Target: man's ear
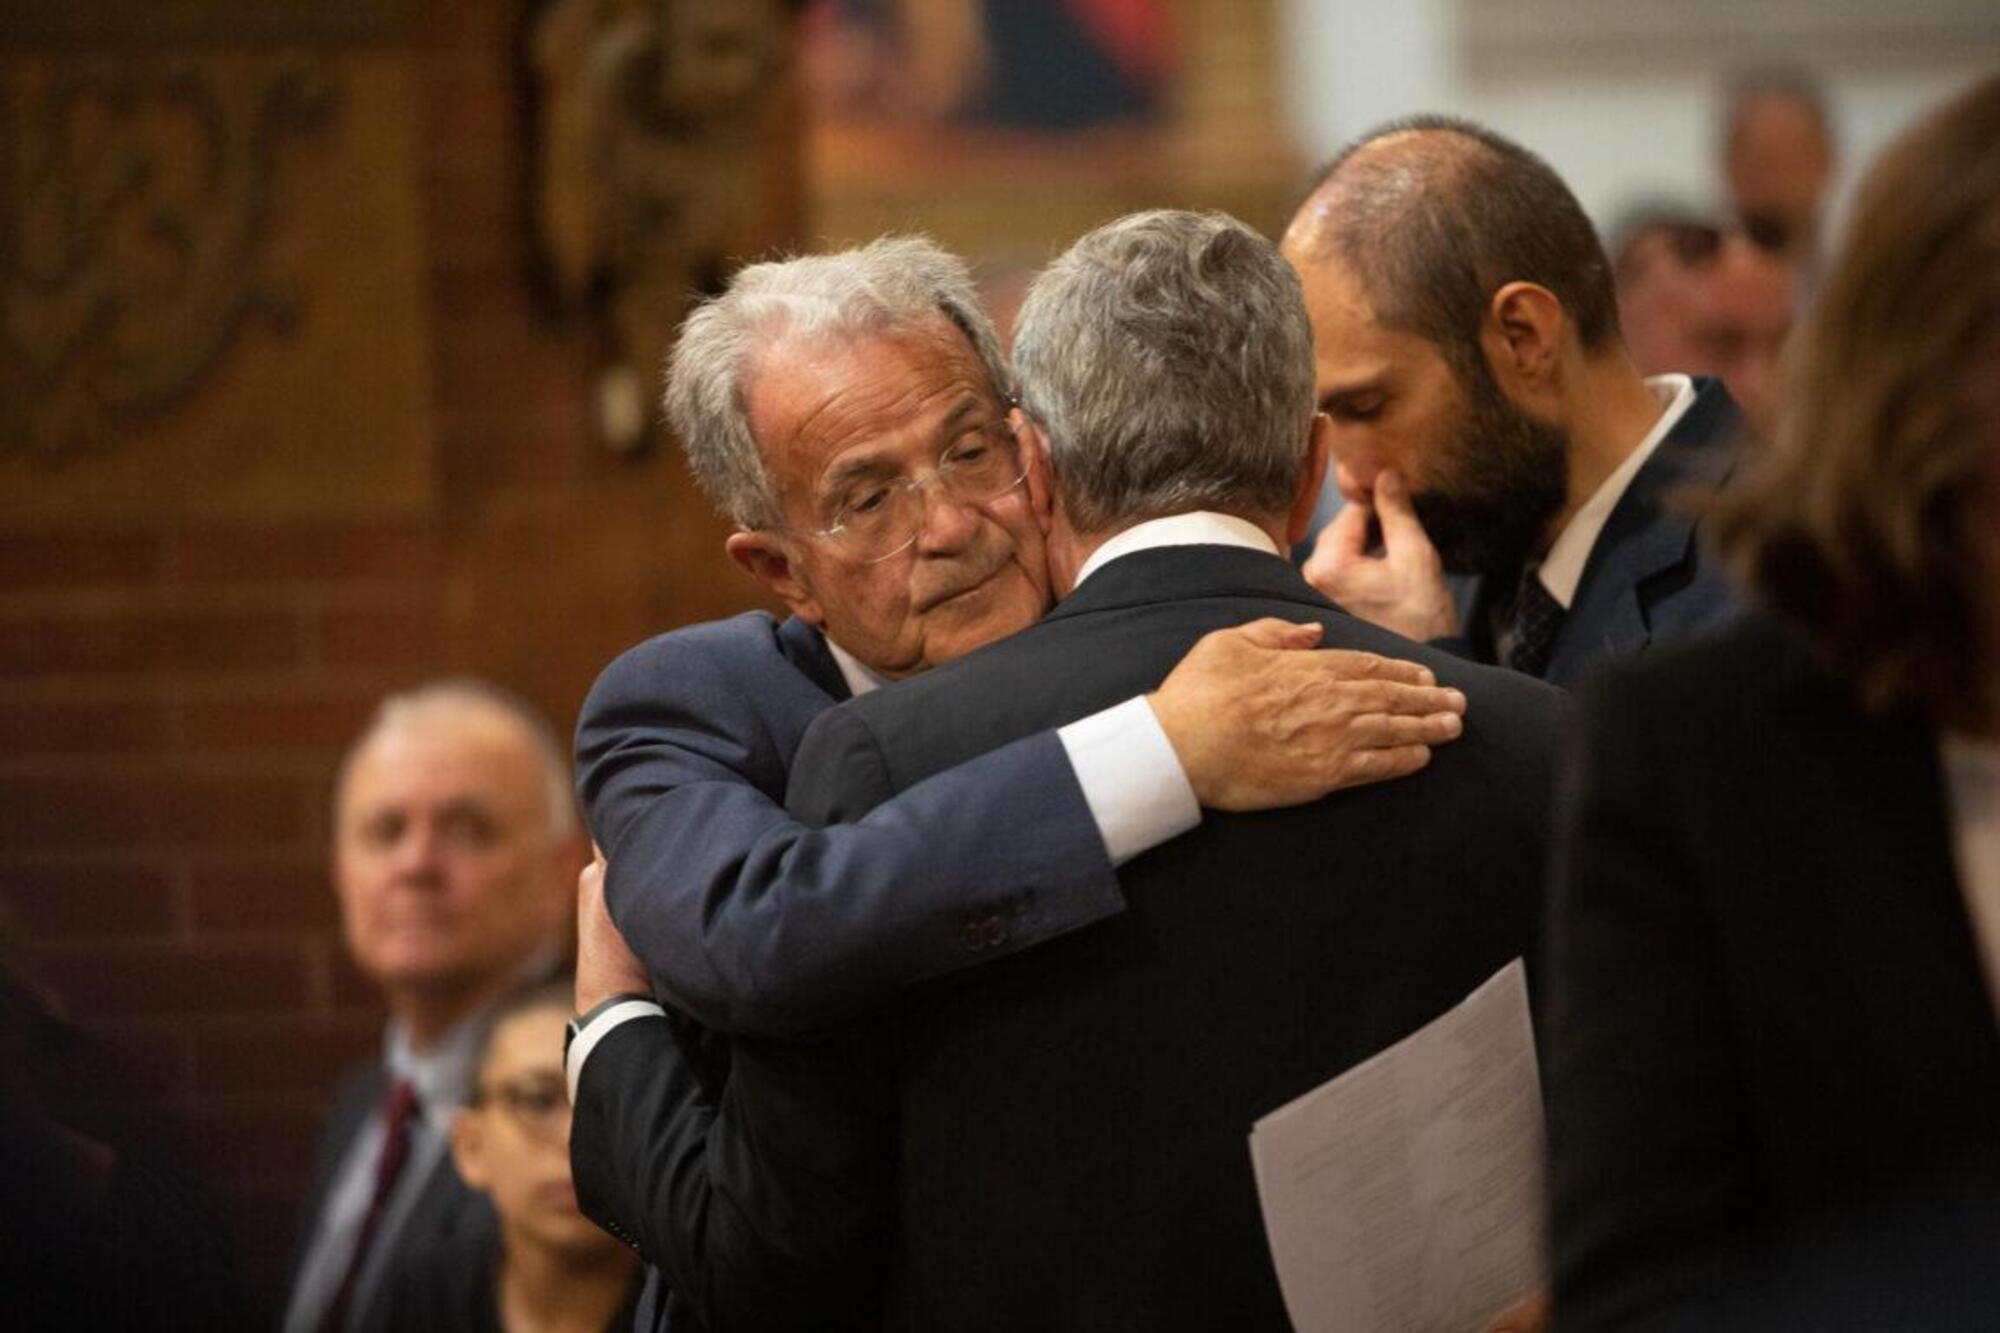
767	558
468	1147
1312	476
1034	443
1523	336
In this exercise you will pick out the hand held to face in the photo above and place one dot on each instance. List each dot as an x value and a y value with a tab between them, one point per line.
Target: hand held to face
1260	722
605	964
1402	589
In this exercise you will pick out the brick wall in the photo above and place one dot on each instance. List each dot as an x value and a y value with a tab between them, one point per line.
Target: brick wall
173	700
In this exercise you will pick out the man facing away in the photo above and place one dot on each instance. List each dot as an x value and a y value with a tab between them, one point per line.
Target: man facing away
849	413
1487	420
455	845
1058	1139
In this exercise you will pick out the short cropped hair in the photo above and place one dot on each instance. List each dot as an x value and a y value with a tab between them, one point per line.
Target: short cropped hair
895	284
1432	229
1776	82
1867	524
482	695
1169	358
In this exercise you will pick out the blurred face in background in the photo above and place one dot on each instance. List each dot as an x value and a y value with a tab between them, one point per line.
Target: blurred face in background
1780	161
512	1142
1694	300
448	863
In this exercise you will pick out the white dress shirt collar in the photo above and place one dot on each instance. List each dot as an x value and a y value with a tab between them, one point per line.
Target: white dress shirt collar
1200	527
1562	568
860	677
442	1075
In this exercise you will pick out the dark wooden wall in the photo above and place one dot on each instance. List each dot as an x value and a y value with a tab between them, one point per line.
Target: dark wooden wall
187	642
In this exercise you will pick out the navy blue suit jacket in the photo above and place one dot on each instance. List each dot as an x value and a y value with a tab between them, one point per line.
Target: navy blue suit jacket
752	922
1647	578
1058	1140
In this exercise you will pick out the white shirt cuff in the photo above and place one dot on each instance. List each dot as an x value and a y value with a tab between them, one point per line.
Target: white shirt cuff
1132	780
597	1029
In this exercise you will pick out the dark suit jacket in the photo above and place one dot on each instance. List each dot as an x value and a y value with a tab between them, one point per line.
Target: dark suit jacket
1060	1139
443	1207
753	923
1773	1060
1647	578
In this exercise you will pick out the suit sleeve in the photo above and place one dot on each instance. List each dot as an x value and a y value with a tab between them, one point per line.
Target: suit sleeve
764	1193
754	922
1650	1165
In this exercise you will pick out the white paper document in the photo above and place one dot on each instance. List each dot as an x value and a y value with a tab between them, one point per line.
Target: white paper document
1406	1194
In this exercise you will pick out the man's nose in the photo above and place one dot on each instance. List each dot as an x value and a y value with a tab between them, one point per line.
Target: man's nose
419	855
1355	478
947	524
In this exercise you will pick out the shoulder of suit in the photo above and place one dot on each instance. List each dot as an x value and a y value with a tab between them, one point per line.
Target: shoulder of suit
741	642
1749	671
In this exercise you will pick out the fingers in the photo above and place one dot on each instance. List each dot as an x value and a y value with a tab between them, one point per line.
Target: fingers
1345	538
1271	632
1387	732
1401	530
1346	664
1369	766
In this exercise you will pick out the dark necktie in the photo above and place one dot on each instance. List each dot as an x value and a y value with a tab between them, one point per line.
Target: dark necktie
1538	618
399	1108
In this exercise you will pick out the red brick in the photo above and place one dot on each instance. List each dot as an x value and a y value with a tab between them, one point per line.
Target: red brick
406	638
124	980
270	1055
79	560
57	728
349	987
90	901
268	1139
289	894
126	1062
314	554
97	812
252	721
148	641
263	1215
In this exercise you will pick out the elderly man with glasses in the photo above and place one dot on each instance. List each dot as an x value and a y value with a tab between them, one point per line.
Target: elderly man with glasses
849	414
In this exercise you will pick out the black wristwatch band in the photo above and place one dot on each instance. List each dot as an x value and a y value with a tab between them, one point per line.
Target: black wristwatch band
582	1021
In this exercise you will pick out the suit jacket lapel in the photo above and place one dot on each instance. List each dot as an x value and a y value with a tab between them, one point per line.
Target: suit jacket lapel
1646	535
805	648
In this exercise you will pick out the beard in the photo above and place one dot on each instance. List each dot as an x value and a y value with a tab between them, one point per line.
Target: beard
1505	475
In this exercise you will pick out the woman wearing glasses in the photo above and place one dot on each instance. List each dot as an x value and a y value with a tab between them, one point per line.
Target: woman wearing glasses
549	1269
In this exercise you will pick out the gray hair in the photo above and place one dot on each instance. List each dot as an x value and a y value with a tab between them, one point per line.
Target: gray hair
1169	358
889	285
472	693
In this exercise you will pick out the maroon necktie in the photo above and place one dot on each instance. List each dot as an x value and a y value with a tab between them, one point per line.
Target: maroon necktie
399	1108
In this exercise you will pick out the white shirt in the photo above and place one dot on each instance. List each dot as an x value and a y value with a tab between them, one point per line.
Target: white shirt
1562	568
442	1078
1972	789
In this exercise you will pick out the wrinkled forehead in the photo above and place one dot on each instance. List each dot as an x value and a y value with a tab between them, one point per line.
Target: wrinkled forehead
812	397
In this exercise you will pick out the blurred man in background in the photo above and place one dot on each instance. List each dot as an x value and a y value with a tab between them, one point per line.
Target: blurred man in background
1778	159
1693	297
455	848
549	1267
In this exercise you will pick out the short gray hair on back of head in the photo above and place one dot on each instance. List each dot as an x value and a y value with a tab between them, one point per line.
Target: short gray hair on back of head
1169	358
472	693
892	285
